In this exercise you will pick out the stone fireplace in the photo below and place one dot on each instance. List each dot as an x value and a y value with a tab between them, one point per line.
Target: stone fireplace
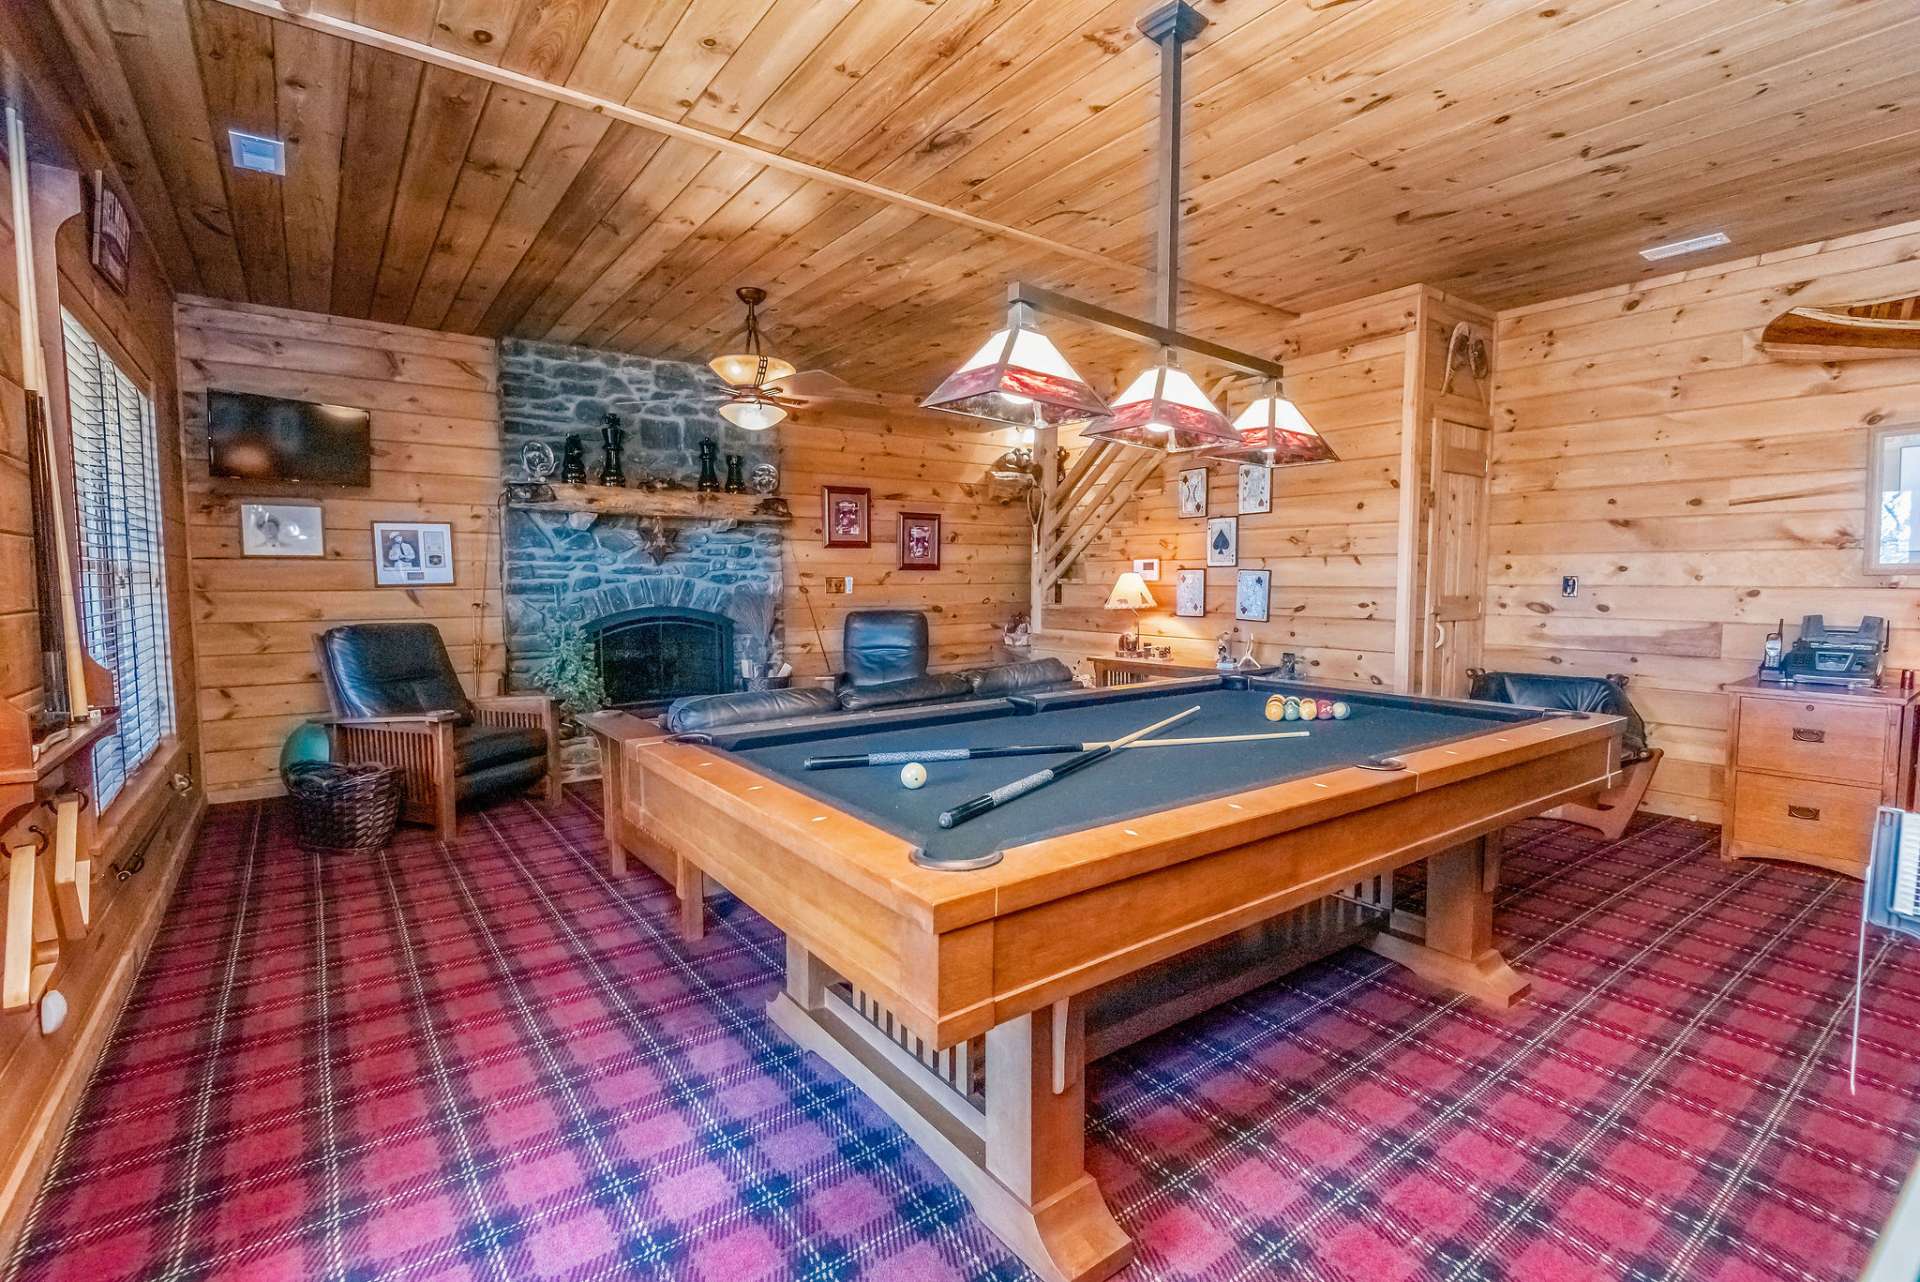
671	603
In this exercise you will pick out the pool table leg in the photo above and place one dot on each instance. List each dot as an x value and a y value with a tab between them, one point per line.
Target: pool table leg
1456	948
691	886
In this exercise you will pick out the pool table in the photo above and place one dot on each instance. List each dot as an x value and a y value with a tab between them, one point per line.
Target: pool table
964	977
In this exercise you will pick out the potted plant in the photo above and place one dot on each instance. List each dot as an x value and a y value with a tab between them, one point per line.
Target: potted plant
571	674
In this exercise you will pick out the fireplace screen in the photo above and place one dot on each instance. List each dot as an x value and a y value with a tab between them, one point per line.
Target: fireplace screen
650	657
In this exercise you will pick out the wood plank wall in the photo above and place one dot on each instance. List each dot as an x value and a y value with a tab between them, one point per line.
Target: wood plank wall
436	443
20	675
1331	539
913	461
1700	490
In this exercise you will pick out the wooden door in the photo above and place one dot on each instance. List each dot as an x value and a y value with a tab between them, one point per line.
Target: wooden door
1456	558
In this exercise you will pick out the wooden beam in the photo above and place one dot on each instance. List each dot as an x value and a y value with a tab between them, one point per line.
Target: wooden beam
374	38
1112	501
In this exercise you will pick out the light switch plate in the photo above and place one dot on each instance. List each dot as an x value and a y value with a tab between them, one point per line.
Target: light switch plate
1569	585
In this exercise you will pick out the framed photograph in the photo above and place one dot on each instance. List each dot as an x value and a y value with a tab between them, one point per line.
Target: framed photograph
1148	568
1190	593
844	516
1250	594
1256	488
1193	492
1223	540
282	529
919	540
112	248
409	554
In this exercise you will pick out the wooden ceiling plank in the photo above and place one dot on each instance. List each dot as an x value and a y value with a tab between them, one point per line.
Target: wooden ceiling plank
412	19
624	41
700	44
502	143
721	180
155	52
649	191
771	53
565	144
126	140
236	71
608	172
313	71
550	37
477	28
445	115
381	89
757	201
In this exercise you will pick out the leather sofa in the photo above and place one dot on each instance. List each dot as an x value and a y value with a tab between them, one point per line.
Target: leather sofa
1613	809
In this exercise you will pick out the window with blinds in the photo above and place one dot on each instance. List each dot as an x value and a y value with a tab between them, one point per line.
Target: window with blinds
123	585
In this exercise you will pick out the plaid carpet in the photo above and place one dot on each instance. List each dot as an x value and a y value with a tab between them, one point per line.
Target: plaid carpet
490	1061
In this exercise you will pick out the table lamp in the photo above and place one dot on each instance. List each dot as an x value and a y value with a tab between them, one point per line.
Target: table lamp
1130	593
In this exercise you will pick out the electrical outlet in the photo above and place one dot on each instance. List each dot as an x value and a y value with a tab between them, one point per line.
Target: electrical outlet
1569	585
840	585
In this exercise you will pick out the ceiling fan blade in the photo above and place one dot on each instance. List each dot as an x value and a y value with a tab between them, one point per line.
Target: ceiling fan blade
813	384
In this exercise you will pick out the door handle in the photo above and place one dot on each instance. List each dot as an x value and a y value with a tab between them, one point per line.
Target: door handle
1803	812
1805	734
1439	635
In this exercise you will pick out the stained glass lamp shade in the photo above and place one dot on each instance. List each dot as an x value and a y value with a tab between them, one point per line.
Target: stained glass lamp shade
1164	409
1018	377
1273	431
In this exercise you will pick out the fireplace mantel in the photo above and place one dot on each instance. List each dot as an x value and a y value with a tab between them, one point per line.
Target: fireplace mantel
694	505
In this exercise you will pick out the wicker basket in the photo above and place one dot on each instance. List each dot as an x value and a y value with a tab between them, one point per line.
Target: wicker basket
339	808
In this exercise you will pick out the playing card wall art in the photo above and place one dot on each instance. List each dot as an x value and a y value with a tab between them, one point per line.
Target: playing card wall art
1193	492
408	554
1256	488
844	516
1250	594
1190	593
919	540
1223	541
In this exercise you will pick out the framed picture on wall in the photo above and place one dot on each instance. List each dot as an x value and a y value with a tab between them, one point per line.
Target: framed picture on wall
112	247
412	554
1251	590
1223	541
282	529
1190	593
919	540
845	516
1193	492
1256	488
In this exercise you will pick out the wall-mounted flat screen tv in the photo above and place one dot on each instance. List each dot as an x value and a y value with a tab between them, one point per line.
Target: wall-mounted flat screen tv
265	438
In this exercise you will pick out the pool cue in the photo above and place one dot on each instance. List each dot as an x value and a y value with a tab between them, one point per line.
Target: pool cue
977	806
1025	750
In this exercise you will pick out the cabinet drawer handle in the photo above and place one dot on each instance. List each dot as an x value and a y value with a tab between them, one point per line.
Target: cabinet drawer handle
1803	812
1806	734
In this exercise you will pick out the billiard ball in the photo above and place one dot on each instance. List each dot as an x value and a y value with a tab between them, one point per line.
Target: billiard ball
1309	709
912	775
1292	712
1341	710
1276	708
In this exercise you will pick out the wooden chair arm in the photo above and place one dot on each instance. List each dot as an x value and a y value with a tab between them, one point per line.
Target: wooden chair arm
407	721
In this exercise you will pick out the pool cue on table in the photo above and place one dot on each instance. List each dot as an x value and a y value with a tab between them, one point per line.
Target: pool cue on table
1026	750
977	806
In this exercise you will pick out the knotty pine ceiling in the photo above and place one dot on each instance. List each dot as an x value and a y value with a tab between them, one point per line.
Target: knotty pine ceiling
1506	152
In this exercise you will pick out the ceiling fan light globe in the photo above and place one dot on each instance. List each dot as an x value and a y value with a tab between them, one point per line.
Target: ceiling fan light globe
752	415
742	369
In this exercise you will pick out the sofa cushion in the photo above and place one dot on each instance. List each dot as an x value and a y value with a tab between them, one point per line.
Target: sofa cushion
937	688
880	647
1019	678
392	669
505	776
717	711
1570	693
477	747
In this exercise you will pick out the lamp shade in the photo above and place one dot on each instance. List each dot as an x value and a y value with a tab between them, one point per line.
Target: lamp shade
1018	376
750	369
1164	409
1274	431
1129	593
751	413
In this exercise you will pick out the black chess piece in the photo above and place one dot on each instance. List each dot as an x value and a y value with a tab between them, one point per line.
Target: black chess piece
573	462
709	477
613	470
736	474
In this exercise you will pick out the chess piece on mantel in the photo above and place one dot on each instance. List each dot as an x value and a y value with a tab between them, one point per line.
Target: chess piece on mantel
573	461
613	470
709	478
736	474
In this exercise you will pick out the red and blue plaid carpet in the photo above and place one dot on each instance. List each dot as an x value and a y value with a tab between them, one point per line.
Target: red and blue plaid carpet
492	1062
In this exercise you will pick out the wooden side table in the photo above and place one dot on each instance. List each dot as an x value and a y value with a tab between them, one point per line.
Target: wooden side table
615	731
1807	768
1122	670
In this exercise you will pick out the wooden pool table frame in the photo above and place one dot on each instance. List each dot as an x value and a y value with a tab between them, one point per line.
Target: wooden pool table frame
960	1001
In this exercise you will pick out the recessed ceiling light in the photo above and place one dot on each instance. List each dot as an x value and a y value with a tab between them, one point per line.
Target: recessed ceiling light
1691	245
262	155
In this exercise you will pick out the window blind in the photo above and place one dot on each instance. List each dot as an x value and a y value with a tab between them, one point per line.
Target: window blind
123	586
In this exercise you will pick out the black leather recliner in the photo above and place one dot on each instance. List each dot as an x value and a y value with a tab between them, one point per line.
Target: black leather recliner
884	653
1613	809
397	701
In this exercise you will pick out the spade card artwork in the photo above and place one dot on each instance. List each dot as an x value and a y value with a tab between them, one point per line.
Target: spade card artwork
1223	541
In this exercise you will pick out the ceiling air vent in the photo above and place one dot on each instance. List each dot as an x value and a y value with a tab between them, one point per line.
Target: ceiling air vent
263	155
1691	245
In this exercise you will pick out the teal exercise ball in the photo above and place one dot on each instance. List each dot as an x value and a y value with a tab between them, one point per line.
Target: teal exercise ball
308	742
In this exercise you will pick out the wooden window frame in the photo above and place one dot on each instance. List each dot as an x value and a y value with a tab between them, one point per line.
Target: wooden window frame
1875	487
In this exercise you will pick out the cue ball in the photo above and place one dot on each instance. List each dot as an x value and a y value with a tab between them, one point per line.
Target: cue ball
912	775
1276	707
1341	710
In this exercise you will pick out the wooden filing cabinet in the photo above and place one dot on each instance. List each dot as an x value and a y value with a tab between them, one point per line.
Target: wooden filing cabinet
1807	767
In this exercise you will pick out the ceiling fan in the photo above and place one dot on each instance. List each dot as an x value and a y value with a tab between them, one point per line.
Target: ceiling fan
765	388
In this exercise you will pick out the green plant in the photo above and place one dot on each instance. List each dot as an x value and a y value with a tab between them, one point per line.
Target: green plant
571	673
